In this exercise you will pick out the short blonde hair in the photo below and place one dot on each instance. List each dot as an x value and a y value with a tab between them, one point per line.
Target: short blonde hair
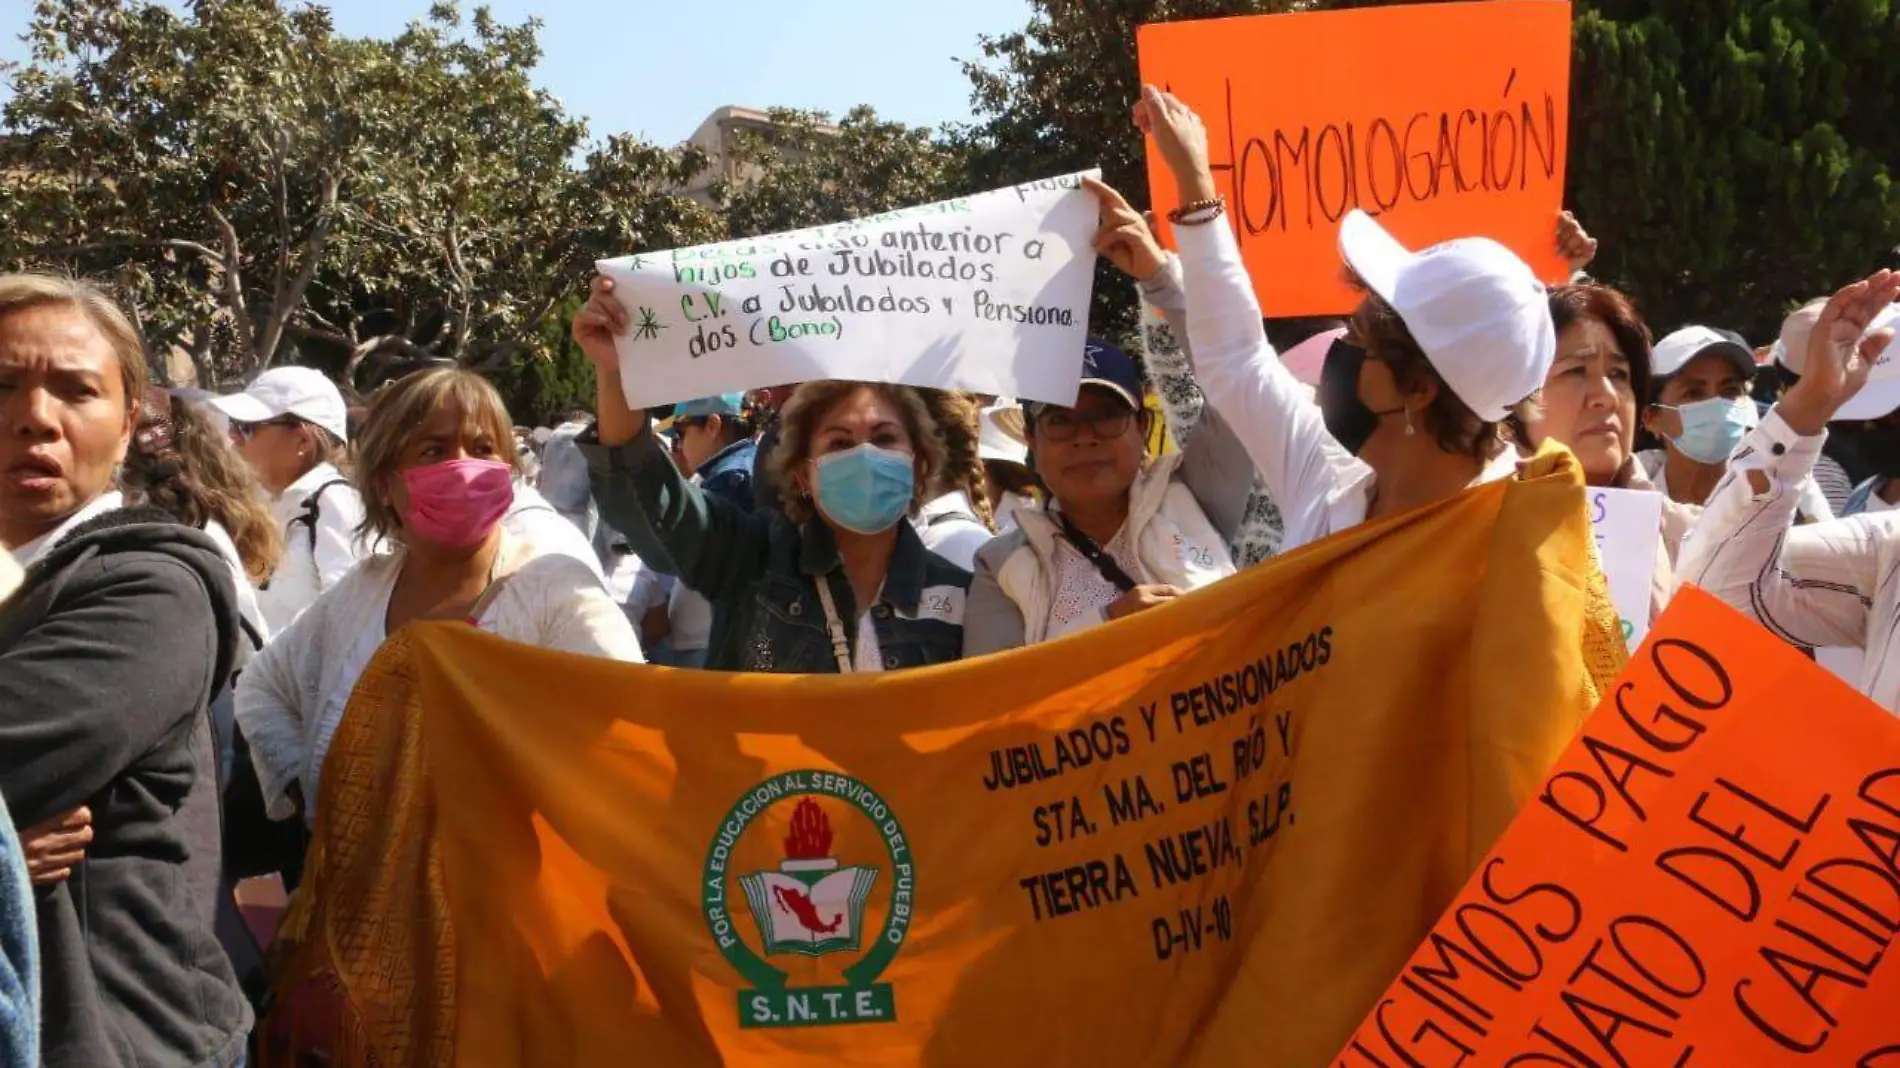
399	413
34	289
798	424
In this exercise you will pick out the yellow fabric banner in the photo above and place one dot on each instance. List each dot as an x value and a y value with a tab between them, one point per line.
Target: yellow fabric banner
1209	835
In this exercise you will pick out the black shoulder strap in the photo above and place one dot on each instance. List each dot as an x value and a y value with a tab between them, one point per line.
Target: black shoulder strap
313	509
1103	562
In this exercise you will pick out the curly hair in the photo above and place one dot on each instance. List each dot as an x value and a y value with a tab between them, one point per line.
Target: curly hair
960	420
798	425
181	463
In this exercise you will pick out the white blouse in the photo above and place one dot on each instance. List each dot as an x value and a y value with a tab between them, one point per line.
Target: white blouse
291	699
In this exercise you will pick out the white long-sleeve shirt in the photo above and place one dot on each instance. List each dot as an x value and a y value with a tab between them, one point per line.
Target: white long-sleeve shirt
316	556
1823	584
1320	488
292	697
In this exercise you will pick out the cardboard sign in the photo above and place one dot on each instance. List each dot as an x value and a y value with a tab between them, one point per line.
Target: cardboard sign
1444	120
1709	877
1628	528
987	293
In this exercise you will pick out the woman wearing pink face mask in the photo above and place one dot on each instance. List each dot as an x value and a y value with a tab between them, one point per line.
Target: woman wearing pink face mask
435	467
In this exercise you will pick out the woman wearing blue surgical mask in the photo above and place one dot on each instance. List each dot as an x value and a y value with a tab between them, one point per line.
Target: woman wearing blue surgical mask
834	579
1701	410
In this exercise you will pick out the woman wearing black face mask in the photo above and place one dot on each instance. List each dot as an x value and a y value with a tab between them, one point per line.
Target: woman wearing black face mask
1449	343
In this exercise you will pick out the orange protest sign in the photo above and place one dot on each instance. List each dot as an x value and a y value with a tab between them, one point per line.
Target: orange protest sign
1709	877
1444	120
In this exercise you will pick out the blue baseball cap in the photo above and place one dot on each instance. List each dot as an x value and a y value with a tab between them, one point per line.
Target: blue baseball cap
721	404
1109	367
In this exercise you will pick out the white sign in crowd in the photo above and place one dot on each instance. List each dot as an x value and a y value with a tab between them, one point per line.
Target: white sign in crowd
986	293
1628	528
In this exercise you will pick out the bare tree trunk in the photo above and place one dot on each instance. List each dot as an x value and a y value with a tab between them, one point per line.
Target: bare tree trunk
290	293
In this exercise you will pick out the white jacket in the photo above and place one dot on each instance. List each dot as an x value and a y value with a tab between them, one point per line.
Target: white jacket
1825	584
1175	544
289	699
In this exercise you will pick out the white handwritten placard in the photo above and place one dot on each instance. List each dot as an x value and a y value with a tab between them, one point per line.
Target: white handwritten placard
986	293
1628	528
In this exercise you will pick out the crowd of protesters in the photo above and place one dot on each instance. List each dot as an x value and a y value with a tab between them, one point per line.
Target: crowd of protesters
194	584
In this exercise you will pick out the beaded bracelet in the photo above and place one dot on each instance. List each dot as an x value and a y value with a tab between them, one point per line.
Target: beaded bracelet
1198	212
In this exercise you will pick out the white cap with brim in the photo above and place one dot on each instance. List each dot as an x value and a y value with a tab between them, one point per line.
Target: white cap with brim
1001	434
295	391
1674	352
1881	395
1476	310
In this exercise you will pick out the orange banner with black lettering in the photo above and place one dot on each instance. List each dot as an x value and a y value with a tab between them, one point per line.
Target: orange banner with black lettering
1710	878
1444	120
1206	835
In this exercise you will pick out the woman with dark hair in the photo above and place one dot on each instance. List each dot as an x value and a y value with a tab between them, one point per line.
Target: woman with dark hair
832	579
1595	397
1446	345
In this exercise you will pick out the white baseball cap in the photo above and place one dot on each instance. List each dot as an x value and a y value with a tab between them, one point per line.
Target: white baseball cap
281	391
1476	310
1000	436
1881	395
1674	352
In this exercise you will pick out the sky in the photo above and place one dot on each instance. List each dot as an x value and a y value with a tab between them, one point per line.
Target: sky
659	67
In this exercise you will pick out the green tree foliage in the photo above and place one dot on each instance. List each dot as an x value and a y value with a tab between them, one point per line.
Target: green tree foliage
1735	158
1055	98
268	190
805	171
540	392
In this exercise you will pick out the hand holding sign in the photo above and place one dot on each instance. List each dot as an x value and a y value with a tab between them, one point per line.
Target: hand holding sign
595	326
1181	138
1124	238
1573	244
1841	352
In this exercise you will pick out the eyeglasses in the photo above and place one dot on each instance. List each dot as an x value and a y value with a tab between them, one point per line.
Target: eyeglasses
247	431
1063	424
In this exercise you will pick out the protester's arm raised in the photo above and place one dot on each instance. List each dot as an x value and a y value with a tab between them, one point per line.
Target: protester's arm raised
1240	374
599	321
1811	585
1125	239
717	549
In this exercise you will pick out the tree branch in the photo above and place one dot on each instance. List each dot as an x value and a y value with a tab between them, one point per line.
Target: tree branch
291	296
207	253
234	286
465	291
283	229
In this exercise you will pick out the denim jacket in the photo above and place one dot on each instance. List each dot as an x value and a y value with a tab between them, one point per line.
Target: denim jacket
763	569
728	473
